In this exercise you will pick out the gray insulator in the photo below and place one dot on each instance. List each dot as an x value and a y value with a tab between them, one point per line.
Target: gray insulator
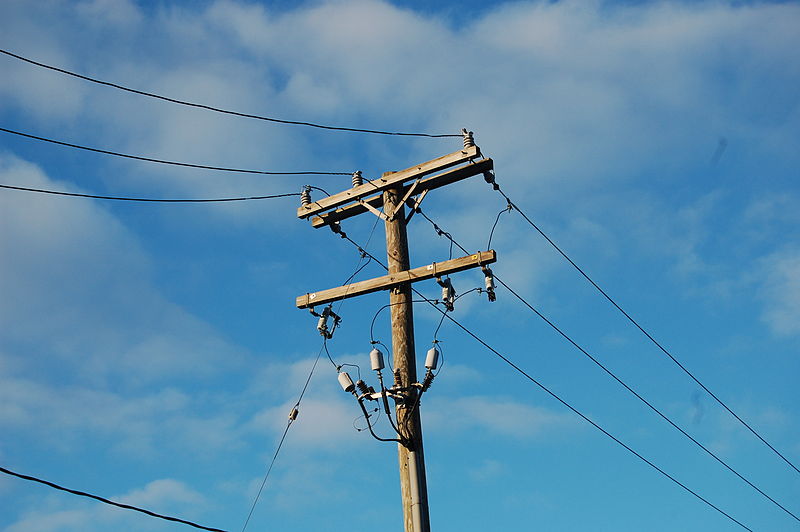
376	359
357	179
362	387
469	139
305	196
346	382
432	358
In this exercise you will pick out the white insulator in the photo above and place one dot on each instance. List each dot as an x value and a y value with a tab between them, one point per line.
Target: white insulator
357	179
469	139
432	358
376	359
305	196
489	279
322	324
346	382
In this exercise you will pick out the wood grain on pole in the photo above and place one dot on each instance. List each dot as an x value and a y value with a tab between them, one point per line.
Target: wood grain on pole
413	485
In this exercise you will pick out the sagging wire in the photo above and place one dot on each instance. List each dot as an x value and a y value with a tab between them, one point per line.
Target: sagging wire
508	208
294	412
636	394
566	404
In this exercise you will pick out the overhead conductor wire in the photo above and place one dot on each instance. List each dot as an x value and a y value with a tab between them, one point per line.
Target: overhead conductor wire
642	329
107	501
295	409
562	401
217	109
147	200
162	161
626	386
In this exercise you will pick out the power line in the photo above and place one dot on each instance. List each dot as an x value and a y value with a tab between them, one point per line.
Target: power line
643	330
107	501
295	409
620	381
560	400
217	109
161	161
292	416
150	200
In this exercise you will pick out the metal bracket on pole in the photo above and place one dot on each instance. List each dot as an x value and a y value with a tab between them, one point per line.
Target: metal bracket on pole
413	206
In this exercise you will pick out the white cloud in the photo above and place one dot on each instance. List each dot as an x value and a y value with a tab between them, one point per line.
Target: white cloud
161	496
781	292
494	415
77	281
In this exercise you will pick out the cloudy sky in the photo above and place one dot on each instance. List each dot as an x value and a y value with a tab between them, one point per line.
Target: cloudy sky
150	353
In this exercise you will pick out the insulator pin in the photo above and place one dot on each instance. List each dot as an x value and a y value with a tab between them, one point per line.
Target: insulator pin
489	279
305	196
357	179
362	387
426	383
448	293
469	139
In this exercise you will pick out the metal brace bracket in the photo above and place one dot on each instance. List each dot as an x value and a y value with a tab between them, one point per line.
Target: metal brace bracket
417	202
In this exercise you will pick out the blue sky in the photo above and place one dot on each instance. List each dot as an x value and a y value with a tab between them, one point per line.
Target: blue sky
150	353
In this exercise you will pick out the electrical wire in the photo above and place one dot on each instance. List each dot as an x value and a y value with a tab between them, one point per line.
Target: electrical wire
491	233
569	406
107	501
217	109
161	161
632	391
292	418
375	317
644	331
295	408
148	200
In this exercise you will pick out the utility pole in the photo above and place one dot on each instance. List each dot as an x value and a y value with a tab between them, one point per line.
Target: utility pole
392	191
413	485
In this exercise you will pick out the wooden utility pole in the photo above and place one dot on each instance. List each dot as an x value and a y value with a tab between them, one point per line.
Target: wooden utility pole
391	192
413	485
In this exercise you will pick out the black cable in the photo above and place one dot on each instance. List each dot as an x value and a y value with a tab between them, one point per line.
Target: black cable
491	233
266	476
635	393
375	317
595	425
643	331
573	409
161	161
285	432
107	501
216	109
150	200
436	332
